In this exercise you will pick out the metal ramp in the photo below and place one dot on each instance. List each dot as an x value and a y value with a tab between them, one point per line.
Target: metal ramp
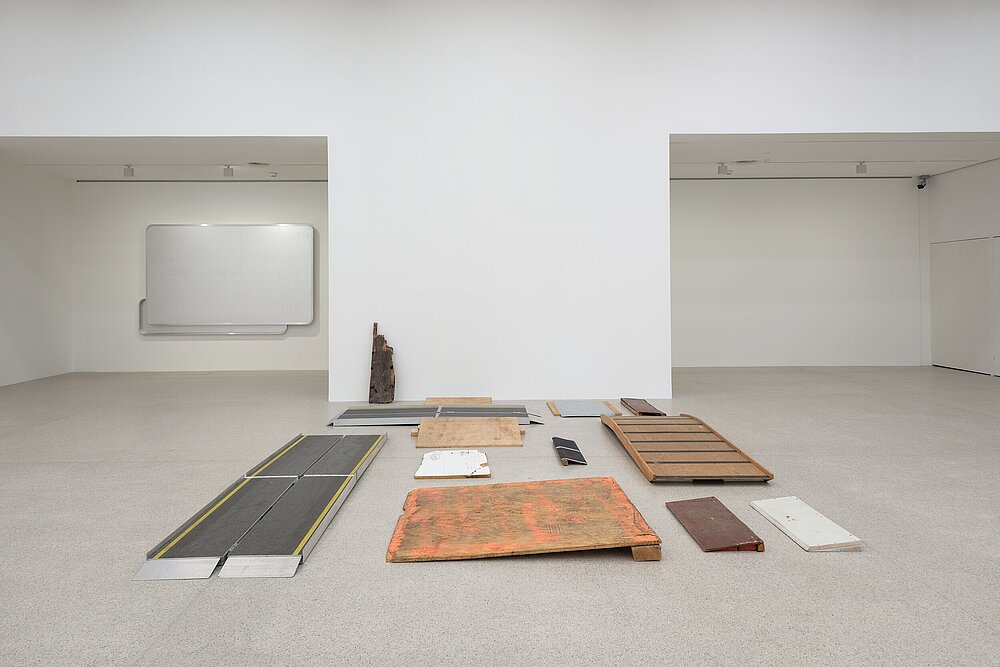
411	415
266	523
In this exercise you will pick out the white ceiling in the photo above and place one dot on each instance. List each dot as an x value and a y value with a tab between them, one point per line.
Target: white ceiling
169	158
828	155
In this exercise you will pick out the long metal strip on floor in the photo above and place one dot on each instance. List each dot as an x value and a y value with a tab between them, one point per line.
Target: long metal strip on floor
411	415
258	512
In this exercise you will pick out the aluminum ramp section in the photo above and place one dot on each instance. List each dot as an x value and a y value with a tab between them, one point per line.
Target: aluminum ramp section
411	415
194	550
286	535
295	457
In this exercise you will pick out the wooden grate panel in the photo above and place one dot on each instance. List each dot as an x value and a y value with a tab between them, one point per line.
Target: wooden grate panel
683	449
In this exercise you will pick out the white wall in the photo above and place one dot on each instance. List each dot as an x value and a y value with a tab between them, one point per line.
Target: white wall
109	228
523	146
35	324
964	204
796	273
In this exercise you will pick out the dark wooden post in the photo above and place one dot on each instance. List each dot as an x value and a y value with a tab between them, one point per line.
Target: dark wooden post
382	387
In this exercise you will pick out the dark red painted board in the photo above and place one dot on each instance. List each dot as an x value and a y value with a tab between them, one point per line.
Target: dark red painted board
713	526
638	406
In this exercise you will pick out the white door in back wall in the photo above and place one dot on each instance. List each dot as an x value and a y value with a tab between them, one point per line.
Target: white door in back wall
963	295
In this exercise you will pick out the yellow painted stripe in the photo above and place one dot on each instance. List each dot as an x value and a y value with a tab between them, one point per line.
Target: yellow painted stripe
201	518
333	500
280	454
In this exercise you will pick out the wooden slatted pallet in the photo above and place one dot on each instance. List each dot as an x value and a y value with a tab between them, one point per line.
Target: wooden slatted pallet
683	448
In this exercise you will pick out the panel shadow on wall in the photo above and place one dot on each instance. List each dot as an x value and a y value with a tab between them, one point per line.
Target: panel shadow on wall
803	250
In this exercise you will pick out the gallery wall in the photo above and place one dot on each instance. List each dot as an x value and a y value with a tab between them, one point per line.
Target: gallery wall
498	190
108	260
795	273
964	204
35	322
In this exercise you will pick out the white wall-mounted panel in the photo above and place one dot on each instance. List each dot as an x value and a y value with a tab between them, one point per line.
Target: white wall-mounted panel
962	305
239	275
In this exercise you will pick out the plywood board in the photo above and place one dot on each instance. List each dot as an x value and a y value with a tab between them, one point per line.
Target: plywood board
582	408
459	400
683	448
639	406
808	528
453	464
483	521
713	526
469	432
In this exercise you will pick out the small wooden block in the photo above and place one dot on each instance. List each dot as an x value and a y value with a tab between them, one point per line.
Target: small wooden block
646	553
469	432
459	400
553	409
613	408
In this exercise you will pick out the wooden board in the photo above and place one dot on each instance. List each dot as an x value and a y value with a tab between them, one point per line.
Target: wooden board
808	528
483	521
459	400
639	406
713	526
453	464
468	432
683	448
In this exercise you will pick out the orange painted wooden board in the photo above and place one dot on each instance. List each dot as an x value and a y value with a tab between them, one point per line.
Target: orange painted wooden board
683	449
483	521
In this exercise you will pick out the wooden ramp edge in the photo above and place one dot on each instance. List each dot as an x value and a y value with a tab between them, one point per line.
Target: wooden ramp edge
683	448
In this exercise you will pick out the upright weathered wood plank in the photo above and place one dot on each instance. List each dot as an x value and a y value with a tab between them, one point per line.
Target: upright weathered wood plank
382	385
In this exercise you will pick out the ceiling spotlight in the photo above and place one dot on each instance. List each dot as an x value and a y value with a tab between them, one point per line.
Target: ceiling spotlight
862	168
227	171
724	169
128	171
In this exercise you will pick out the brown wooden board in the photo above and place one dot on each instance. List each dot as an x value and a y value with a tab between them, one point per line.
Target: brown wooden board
483	521
694	451
639	406
713	526
469	432
458	400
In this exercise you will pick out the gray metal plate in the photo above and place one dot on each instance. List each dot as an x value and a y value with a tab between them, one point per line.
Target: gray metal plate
582	408
260	566
162	569
411	415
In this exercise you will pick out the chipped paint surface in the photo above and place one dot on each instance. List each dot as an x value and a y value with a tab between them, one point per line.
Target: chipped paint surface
461	522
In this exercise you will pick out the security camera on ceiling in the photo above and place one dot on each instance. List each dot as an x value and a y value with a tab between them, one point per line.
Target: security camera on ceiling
922	182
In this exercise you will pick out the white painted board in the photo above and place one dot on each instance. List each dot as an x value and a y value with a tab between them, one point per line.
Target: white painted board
961	305
229	274
453	464
808	528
